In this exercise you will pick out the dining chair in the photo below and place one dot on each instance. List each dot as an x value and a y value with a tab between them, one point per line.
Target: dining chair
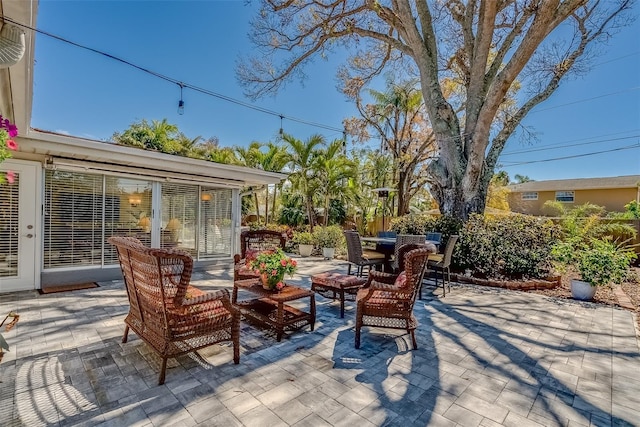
442	266
358	256
435	238
403	239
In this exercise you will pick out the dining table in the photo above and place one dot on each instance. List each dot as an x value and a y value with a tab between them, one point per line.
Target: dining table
391	240
386	245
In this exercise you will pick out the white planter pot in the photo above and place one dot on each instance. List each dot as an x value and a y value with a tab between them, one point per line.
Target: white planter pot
582	290
328	253
305	250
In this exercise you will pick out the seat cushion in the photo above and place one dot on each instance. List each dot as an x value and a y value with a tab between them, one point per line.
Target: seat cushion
370	255
401	281
335	279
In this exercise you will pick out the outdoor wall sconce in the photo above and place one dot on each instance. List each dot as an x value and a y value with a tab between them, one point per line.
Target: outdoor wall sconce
205	197
12	45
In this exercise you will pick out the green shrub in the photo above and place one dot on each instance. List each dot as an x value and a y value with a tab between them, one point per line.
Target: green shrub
425	223
604	263
303	238
513	247
329	237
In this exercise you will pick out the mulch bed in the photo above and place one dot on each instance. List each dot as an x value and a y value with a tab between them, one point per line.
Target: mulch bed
626	296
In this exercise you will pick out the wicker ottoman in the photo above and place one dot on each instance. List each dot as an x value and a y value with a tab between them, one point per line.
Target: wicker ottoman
337	286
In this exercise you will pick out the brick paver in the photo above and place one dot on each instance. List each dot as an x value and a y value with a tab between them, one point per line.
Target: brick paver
486	357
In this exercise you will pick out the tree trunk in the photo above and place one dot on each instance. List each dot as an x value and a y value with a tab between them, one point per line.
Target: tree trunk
403	193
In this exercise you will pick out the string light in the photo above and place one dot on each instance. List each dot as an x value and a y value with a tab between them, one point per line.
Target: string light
175	81
181	102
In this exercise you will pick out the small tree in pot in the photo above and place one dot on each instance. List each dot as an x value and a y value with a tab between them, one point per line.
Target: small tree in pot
601	263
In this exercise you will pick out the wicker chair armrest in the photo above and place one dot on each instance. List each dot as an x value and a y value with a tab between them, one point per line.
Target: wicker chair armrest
209	296
380	277
383	286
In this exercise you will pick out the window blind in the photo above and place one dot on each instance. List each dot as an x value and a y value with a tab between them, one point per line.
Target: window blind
9	221
73	217
179	216
216	224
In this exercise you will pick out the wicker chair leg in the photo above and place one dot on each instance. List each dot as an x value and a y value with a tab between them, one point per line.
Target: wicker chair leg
358	326
349	269
163	371
126	334
413	339
235	333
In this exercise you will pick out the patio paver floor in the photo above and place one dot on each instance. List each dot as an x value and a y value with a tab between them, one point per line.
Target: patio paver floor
486	357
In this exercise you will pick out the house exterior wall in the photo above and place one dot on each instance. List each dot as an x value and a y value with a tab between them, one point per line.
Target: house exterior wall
613	200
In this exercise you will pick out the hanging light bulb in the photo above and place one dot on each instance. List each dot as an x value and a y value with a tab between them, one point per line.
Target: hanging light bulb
281	130
181	102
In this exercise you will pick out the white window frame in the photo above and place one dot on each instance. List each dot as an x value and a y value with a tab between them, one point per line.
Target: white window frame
565	195
529	195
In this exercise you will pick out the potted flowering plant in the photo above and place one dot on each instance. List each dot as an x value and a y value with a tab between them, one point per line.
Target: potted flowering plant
7	144
272	265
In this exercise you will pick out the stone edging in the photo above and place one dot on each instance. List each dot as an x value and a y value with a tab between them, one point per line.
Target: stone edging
525	285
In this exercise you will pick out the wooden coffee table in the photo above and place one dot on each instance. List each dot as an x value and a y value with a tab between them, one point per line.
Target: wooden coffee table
270	308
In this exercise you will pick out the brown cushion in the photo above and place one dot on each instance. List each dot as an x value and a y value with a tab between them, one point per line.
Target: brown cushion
337	279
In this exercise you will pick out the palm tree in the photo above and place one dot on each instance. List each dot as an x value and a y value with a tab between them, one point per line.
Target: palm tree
302	159
249	157
334	171
275	159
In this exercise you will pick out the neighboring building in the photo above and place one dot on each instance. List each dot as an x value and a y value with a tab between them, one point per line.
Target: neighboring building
612	193
71	194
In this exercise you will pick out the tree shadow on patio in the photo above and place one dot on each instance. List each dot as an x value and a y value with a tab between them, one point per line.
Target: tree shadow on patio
539	360
395	385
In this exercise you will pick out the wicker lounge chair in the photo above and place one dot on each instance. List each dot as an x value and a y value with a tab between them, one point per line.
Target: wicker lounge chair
254	241
167	313
386	304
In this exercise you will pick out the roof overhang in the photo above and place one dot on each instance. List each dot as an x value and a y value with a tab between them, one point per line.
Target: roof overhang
96	155
16	82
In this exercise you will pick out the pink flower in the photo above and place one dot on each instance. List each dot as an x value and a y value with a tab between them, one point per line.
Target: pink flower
11	144
283	262
294	262
274	272
11	177
279	286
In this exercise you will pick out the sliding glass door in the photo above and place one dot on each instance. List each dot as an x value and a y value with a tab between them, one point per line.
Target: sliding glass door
82	210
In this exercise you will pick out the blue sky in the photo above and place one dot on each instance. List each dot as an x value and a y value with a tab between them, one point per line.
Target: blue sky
84	94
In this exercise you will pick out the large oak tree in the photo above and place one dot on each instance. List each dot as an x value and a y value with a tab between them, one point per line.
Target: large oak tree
486	46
